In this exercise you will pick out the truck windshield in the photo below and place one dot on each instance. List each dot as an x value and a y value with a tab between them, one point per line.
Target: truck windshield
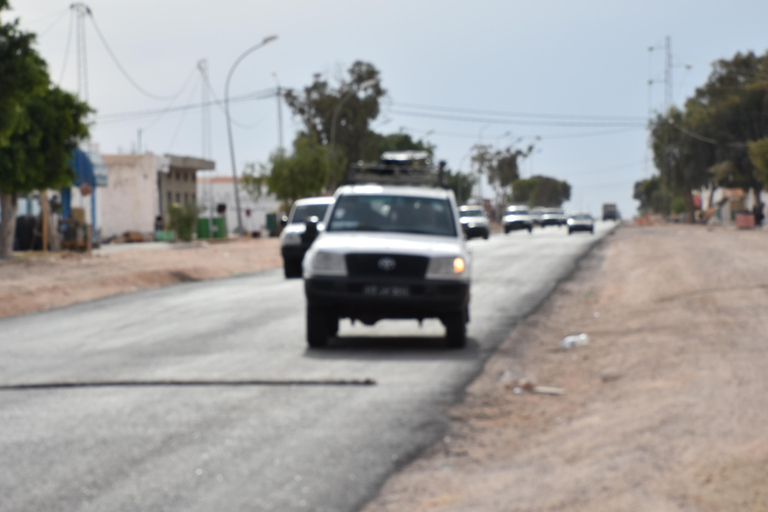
397	214
304	212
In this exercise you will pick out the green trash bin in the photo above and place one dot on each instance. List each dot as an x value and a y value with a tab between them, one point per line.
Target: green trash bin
219	228
272	223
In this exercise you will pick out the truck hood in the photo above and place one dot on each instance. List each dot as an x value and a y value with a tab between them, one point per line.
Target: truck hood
389	243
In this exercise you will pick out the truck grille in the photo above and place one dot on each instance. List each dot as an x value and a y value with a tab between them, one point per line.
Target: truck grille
368	265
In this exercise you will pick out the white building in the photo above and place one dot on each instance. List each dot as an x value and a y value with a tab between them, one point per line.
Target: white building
217	190
141	188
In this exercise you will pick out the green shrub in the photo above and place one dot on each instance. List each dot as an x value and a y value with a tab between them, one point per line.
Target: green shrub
183	220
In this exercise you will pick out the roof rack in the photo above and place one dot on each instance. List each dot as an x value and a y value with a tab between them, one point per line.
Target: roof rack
398	168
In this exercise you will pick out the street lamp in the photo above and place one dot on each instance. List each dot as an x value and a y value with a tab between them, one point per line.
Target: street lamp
264	42
337	110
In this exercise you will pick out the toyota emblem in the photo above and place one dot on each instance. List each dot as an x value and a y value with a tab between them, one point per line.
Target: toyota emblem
386	264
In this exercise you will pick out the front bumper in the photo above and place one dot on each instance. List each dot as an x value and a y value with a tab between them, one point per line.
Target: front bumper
477	230
362	298
581	227
551	222
516	224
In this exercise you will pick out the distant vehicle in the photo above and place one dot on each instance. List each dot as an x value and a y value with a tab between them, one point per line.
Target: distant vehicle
536	215
517	217
552	217
610	212
292	241
389	251
580	222
474	221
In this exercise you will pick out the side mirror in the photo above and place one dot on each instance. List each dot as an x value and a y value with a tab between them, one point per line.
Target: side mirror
310	233
283	220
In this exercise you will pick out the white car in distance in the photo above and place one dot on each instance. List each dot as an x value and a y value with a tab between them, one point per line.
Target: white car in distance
293	243
517	217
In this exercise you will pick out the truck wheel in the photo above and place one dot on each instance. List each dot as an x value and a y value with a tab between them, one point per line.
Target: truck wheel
292	268
486	235
530	229
317	326
570	231
456	330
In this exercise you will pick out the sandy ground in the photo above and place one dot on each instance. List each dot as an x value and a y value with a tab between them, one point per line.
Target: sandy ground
34	281
666	408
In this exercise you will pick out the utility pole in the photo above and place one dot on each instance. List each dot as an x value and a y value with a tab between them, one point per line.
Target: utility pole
81	11
279	112
207	144
668	99
138	141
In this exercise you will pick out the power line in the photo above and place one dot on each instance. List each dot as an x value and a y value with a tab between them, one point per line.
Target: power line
219	103
496	113
52	25
183	116
123	70
66	47
488	120
138	114
170	104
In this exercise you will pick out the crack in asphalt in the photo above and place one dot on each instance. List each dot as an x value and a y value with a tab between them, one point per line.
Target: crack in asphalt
185	383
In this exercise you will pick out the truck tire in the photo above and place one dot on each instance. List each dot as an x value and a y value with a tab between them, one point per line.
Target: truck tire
317	326
456	330
292	268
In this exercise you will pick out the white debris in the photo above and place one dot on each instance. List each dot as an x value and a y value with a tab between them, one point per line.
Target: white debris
575	340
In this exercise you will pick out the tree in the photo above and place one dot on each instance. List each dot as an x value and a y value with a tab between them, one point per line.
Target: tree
541	191
302	174
36	157
683	161
653	196
758	155
500	165
709	141
357	107
376	144
460	183
22	73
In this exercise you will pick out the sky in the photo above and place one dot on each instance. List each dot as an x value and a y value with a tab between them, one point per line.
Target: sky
570	77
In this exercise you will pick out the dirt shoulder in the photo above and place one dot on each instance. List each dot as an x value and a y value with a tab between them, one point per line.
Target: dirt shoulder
665	409
35	282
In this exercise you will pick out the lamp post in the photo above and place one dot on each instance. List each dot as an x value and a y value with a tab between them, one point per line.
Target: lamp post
250	50
337	111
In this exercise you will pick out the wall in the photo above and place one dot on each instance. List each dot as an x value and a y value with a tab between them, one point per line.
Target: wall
130	201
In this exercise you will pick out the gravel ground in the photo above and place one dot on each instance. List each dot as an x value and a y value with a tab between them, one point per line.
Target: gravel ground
664	410
35	281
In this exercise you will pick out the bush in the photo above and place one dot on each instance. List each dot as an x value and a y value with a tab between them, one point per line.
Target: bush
183	220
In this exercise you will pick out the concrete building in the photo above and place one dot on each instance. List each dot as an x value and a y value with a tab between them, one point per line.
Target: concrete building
142	187
215	191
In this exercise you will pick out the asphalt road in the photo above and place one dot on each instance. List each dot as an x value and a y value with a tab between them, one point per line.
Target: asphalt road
215	401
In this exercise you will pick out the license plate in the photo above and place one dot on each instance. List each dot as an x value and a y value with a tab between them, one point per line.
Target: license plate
386	291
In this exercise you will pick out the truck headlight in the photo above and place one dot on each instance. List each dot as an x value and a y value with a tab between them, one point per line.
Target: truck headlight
328	264
446	267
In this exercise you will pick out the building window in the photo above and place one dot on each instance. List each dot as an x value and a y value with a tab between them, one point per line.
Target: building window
193	198
178	197
170	200
186	176
186	198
